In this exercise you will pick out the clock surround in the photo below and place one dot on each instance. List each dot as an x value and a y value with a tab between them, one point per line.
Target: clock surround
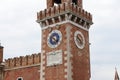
79	39
54	38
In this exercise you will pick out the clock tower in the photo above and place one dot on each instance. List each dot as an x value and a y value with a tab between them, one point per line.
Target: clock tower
65	41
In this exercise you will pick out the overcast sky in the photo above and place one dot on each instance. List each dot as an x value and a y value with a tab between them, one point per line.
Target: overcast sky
20	34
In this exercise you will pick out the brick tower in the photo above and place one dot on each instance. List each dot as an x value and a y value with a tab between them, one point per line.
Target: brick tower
65	41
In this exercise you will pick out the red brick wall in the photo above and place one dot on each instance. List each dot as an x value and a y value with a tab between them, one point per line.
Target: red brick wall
29	73
81	57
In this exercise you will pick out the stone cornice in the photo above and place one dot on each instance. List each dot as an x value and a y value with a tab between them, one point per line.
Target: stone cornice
34	65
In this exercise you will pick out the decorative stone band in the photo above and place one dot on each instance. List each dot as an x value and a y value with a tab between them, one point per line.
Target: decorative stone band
63	12
42	66
28	66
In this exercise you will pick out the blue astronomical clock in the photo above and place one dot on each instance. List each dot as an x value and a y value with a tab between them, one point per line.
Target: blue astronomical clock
54	38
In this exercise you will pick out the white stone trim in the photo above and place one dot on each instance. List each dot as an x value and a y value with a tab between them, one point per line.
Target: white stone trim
65	52
22	67
41	67
19	78
47	22
65	76
43	73
65	64
43	62
65	70
69	65
63	22
83	39
60	18
65	58
60	35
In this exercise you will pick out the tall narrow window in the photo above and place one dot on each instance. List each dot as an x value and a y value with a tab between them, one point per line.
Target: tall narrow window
74	1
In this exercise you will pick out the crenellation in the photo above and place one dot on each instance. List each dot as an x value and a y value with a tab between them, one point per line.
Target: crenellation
48	12
53	11
57	9
86	14
18	61
78	10
30	59
60	11
22	61
67	7
50	3
37	58
89	15
75	8
44	14
12	62
62	8
39	15
7	62
71	7
82	13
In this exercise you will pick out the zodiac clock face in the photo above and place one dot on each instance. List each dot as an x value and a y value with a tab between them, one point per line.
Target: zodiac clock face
79	40
54	38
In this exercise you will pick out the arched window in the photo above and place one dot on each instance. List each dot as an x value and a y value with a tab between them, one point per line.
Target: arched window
74	1
19	78
57	1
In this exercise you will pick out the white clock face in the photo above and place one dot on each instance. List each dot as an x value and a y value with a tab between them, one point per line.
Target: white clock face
79	39
54	38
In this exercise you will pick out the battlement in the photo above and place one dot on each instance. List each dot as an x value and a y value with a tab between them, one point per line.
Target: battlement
22	61
58	13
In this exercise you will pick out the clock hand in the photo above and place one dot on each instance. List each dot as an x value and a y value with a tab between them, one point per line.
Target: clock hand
54	39
79	38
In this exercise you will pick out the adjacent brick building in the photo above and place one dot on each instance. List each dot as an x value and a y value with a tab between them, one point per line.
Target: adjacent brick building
65	46
20	68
